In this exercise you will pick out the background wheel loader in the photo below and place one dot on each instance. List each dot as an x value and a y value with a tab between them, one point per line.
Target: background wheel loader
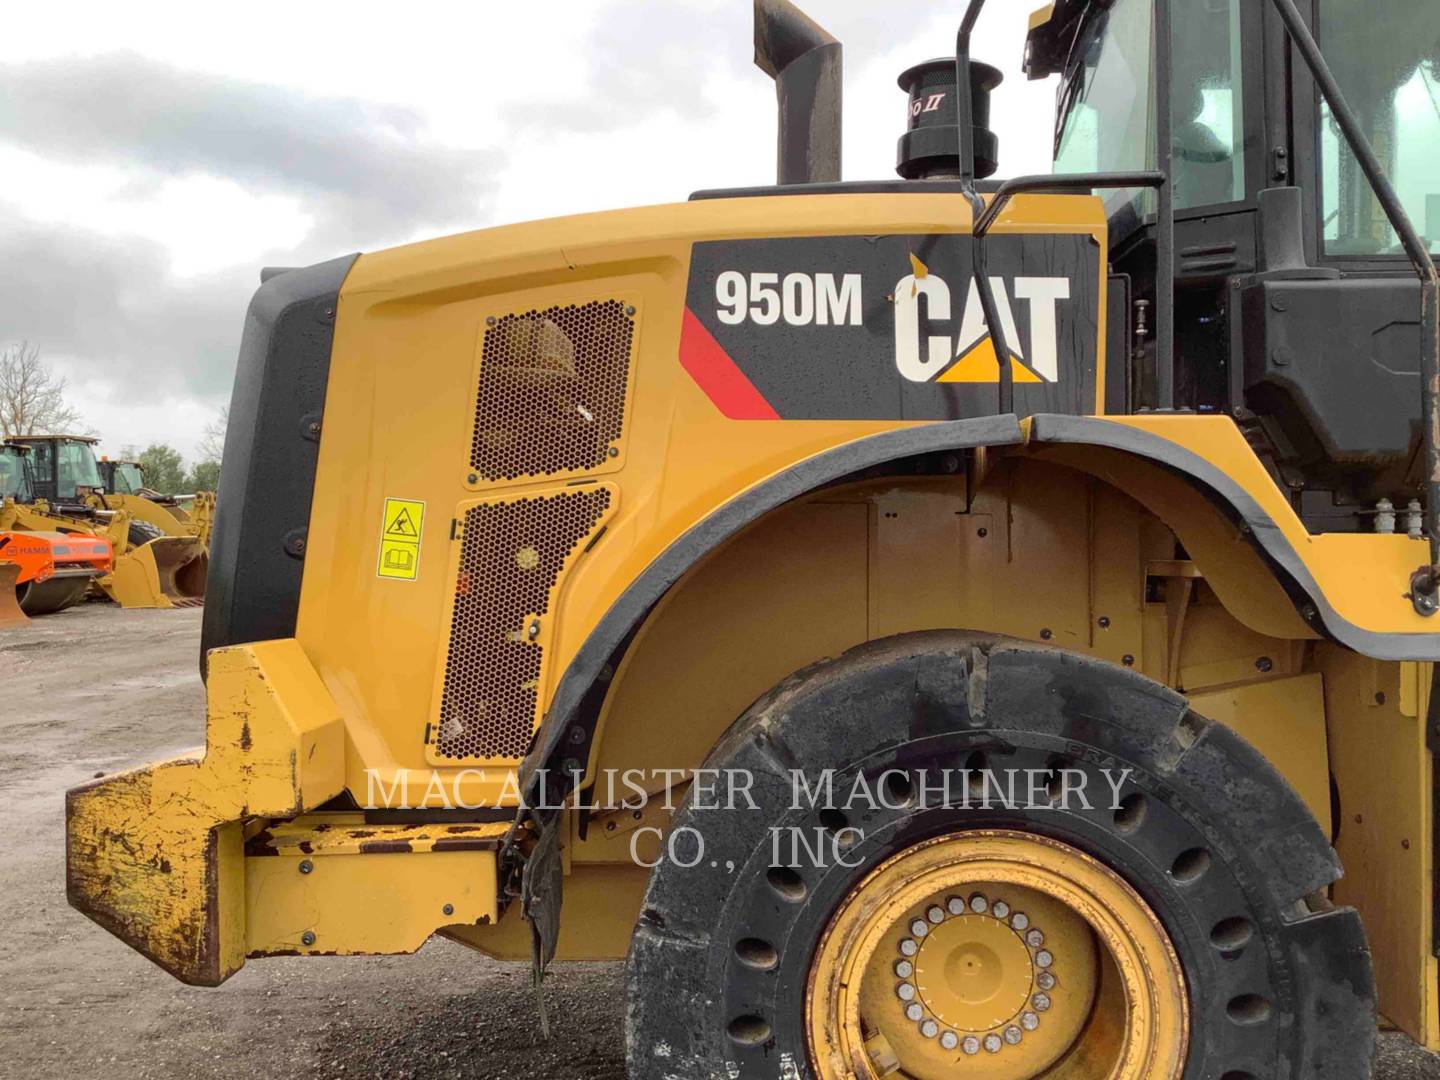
152	568
930	626
124	488
41	572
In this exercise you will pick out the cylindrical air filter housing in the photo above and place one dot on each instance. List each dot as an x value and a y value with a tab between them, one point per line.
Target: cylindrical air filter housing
930	147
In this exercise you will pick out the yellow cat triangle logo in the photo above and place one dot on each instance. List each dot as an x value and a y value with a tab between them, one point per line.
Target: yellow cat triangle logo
980	365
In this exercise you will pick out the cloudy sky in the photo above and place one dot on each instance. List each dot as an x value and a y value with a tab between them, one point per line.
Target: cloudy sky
156	155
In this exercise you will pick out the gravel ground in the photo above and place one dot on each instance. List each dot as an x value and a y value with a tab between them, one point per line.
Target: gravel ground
96	689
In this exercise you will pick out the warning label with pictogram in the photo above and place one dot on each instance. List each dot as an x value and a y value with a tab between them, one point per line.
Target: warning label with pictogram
401	528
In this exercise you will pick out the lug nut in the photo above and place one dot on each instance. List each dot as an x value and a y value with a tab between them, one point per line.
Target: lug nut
970	1044
1001	909
955	905
1034	939
1045	980
1020	920
929	1029
1029	1021
908	947
1013	1035
949	1040
979	904
992	1044
914	1011
1043	958
1041	1002
936	915
905	992
904	969
919	928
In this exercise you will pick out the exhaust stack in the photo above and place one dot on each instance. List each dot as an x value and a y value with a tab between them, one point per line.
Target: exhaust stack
806	63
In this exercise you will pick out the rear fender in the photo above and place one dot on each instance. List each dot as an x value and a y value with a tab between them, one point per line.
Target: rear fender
1195	473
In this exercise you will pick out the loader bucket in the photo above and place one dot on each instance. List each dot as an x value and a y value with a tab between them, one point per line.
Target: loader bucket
10	613
182	564
167	572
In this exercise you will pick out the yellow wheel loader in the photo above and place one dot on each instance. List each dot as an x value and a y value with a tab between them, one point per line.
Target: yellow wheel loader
153	567
124	488
934	626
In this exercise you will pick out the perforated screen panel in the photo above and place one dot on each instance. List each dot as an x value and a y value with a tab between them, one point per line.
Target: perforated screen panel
552	389
511	557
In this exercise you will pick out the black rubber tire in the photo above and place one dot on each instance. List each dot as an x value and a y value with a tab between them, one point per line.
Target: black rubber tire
1294	1000
142	532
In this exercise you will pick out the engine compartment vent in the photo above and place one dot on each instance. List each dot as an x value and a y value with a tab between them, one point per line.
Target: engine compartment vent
512	555
552	390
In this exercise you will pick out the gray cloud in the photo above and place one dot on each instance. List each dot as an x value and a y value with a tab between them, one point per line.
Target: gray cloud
365	172
107	304
110	305
647	58
362	169
639	61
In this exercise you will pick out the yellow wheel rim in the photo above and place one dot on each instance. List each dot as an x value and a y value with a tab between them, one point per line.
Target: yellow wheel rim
999	954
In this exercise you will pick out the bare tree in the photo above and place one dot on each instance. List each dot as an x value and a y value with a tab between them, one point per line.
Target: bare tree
212	443
32	396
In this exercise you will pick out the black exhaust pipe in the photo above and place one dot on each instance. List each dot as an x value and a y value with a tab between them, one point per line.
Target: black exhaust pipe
806	63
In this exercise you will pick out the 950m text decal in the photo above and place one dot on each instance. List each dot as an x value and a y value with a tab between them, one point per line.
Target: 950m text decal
851	327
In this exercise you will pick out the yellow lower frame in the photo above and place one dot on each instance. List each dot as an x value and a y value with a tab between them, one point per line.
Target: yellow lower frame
158	855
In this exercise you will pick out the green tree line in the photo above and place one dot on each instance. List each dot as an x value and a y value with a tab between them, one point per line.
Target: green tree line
165	469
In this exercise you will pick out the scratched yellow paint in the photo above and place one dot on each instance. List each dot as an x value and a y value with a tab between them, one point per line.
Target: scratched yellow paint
154	854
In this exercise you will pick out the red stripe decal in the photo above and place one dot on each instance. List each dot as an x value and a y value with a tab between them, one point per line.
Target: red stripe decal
716	374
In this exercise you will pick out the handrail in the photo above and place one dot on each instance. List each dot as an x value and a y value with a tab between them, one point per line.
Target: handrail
965	125
1425	582
985	216
1164	213
1041	182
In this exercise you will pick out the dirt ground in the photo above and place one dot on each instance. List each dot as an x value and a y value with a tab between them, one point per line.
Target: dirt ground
96	689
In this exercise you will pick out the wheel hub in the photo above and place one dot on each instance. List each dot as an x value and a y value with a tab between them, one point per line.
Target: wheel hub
995	954
973	972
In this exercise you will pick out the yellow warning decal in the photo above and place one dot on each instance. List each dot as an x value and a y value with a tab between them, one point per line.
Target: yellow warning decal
400	530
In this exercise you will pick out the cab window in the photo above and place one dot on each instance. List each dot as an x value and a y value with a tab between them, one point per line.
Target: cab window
128	478
1106	115
42	458
1386	56
13	476
75	468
